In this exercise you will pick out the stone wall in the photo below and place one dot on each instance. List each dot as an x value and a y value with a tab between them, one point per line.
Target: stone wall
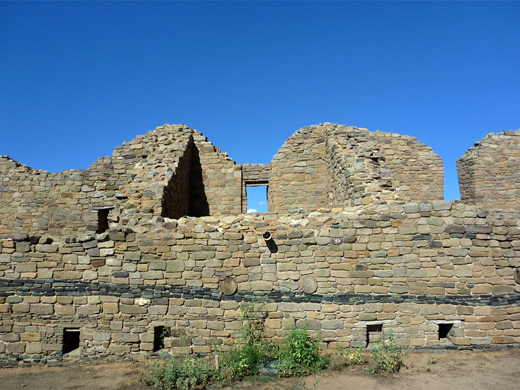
405	267
222	178
489	172
332	165
139	179
38	201
132	180
351	252
357	172
417	173
299	172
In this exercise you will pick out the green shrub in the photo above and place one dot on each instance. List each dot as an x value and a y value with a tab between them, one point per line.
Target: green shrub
182	374
241	362
386	355
300	354
350	357
356	356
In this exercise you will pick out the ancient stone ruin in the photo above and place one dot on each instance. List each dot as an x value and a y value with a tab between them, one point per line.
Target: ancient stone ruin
150	250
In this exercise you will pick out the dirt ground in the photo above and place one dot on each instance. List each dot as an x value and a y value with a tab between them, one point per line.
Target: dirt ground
475	370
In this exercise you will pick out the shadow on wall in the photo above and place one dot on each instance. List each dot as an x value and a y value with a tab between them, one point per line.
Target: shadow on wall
199	206
185	195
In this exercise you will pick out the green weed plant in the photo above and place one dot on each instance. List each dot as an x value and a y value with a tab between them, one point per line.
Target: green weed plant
300	354
350	357
183	373
386	355
243	360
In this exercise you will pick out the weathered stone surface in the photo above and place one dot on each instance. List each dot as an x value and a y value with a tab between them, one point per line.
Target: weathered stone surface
308	284
488	172
228	285
132	309
359	256
19	236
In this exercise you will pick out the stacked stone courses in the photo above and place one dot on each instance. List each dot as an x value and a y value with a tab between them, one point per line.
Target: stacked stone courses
359	237
332	165
489	174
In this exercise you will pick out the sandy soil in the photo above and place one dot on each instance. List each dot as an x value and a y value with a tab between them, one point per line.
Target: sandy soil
477	370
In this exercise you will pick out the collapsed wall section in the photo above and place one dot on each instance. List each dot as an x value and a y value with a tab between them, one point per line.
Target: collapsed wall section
489	172
416	269
415	170
357	174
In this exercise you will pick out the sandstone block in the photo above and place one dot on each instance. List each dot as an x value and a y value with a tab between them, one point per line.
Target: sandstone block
133	309
17	347
33	348
87	310
125	338
10	337
64	309
21	308
41	308
30	336
110	307
47	248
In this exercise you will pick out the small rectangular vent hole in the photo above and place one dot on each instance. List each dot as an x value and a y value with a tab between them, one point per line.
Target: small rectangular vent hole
374	333
159	333
70	339
444	330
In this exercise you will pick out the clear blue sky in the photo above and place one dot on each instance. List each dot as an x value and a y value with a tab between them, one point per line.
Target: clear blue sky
79	78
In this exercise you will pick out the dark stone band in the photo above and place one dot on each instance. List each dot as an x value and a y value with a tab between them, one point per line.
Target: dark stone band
48	287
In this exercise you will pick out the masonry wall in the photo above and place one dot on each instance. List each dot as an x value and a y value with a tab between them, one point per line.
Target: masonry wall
331	165
362	257
413	167
404	267
357	171
222	178
489	172
139	180
62	203
299	173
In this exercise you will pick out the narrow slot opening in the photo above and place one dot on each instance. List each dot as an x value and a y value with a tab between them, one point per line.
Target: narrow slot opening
70	339
374	333
444	330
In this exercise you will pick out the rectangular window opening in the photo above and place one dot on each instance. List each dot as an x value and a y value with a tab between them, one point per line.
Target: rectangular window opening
444	330
70	339
256	198
159	333
374	333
